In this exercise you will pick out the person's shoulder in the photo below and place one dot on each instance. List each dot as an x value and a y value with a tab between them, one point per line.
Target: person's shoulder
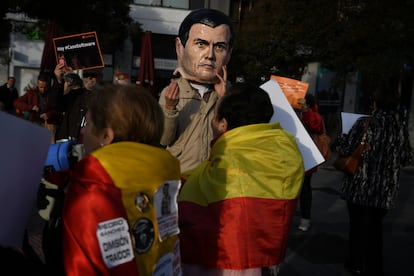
365	119
82	167
361	122
3	87
183	84
28	92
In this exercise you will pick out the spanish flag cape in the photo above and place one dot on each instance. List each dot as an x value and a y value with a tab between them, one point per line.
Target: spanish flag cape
102	225
235	209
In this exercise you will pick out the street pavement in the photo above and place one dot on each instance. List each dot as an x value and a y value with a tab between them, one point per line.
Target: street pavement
323	249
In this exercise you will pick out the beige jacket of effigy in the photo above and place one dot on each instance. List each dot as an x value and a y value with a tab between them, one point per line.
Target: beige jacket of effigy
187	129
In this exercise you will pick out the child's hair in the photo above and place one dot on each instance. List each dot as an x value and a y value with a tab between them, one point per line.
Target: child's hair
245	104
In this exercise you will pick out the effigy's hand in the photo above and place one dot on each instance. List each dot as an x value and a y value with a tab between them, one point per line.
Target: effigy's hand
172	95
222	85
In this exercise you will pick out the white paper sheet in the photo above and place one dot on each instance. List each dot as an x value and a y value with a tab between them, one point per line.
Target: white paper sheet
23	150
348	120
286	116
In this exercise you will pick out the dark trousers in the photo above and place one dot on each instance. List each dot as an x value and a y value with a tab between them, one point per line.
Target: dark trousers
305	198
365	238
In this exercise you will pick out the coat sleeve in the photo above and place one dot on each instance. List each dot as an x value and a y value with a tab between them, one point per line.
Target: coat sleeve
23	102
170	122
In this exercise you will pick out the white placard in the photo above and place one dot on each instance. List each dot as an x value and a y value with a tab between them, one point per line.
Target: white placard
348	120
286	116
23	151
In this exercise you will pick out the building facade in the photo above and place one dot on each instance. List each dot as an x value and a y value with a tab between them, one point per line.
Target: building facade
162	18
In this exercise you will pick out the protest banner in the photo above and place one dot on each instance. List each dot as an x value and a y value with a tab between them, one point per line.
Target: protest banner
293	89
79	51
286	116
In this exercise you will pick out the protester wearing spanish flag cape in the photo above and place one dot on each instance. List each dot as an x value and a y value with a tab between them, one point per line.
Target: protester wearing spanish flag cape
117	232
120	213
235	209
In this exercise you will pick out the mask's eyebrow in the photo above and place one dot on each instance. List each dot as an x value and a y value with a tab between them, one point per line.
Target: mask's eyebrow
199	40
205	42
221	44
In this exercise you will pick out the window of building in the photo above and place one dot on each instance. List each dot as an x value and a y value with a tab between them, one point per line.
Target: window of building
179	4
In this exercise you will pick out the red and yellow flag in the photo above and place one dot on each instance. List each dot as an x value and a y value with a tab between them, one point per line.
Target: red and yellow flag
235	209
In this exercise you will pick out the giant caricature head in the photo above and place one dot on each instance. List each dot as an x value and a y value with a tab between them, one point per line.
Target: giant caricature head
204	45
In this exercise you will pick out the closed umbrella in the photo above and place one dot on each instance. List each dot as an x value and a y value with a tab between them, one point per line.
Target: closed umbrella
48	62
146	68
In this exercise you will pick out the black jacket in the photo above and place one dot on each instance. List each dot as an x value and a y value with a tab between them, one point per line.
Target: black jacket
7	97
73	106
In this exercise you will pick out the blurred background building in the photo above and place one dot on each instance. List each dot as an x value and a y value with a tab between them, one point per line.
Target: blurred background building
160	19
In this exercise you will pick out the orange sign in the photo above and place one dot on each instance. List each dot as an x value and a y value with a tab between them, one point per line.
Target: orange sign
79	51
293	89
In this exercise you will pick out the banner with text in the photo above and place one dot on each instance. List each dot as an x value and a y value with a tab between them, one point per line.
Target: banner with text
293	89
79	51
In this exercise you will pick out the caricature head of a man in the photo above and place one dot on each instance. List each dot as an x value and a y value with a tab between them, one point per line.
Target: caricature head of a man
204	44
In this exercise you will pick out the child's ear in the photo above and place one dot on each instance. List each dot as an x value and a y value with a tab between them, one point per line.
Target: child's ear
223	125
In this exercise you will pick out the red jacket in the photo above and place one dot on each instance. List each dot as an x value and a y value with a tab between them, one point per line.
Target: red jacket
107	228
313	123
26	102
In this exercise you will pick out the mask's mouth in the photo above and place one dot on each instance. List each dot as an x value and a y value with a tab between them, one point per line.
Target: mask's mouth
194	79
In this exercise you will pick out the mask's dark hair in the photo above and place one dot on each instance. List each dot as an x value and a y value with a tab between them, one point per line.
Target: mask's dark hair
209	17
244	104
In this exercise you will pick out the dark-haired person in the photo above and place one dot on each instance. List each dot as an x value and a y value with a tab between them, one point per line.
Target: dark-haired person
111	225
73	98
236	207
313	123
373	191
40	104
203	46
8	94
73	105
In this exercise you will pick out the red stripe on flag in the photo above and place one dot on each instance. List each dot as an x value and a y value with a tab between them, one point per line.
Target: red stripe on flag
237	233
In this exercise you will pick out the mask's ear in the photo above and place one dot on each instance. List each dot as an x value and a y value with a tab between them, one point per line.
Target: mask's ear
179	49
